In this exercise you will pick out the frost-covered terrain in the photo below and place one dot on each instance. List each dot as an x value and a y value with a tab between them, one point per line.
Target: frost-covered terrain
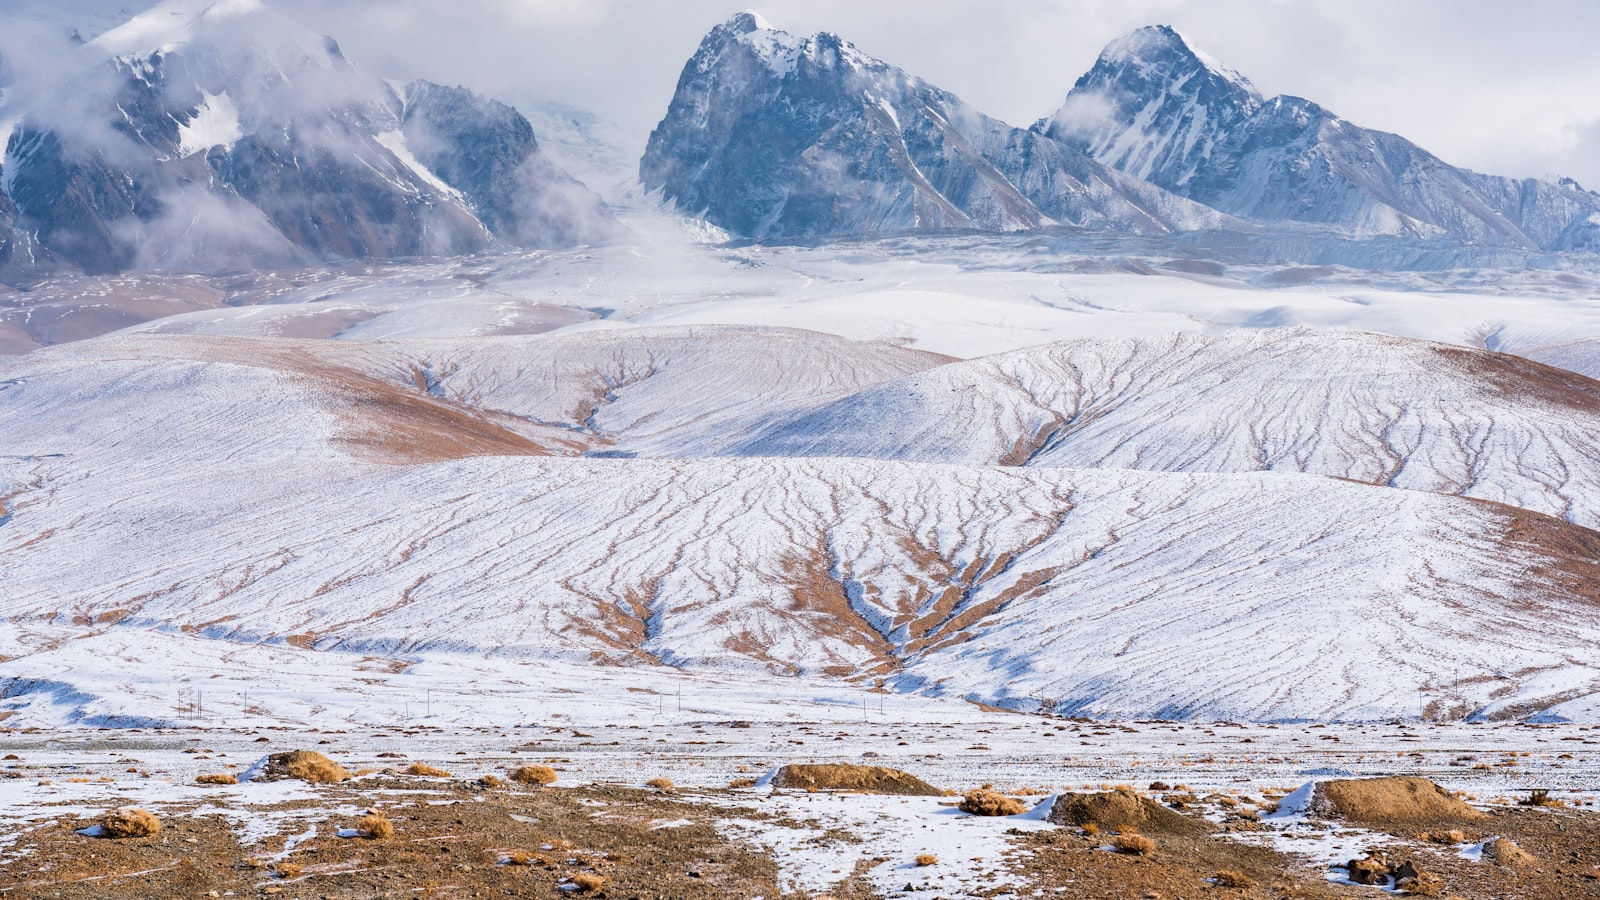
442	499
1143	472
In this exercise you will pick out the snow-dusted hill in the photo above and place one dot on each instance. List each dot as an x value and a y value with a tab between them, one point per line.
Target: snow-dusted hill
396	500
1366	407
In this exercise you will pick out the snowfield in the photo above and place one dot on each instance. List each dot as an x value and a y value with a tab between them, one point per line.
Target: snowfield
442	501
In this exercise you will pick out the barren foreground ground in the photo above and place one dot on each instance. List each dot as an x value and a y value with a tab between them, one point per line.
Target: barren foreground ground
601	831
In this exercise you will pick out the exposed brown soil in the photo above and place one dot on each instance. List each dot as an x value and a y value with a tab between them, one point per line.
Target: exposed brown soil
1523	379
1122	810
461	839
457	845
863	779
1398	801
1565	845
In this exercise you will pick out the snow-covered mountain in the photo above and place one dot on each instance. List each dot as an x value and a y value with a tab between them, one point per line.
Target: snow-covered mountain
219	135
776	136
1155	107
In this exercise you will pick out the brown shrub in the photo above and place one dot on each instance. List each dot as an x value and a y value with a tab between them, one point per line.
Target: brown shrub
984	802
425	770
742	783
376	826
1539	797
306	765
290	870
927	859
217	778
845	777
490	781
588	883
533	775
1136	844
1091	829
129	822
519	858
1232	878
661	784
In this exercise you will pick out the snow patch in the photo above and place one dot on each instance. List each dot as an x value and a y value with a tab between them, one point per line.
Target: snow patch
395	142
215	124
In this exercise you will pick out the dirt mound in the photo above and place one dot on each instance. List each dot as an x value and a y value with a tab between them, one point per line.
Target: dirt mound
1121	810
306	765
844	777
1503	852
1396	800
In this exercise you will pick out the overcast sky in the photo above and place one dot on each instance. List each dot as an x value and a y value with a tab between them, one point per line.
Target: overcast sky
1506	87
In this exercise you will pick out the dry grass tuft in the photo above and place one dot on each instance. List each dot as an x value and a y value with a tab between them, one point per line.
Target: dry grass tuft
927	859
985	802
661	784
290	870
1539	797
1135	844
1091	829
217	778
539	775
129	822
491	781
588	883
1232	878
425	770
742	783
518	858
306	765
375	826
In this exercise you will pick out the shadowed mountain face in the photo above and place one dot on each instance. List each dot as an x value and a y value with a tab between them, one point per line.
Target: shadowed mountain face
775	136
487	151
1155	107
223	137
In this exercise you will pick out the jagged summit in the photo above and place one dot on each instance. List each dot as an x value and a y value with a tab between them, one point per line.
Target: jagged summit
770	135
1155	107
748	21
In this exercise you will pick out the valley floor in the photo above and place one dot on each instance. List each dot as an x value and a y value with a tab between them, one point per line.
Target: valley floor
721	832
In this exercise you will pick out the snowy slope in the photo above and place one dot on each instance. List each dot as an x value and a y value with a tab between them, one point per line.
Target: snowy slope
253	491
1366	407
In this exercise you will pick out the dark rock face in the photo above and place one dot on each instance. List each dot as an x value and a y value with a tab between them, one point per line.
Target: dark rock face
8	233
1154	107
487	151
245	142
774	136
